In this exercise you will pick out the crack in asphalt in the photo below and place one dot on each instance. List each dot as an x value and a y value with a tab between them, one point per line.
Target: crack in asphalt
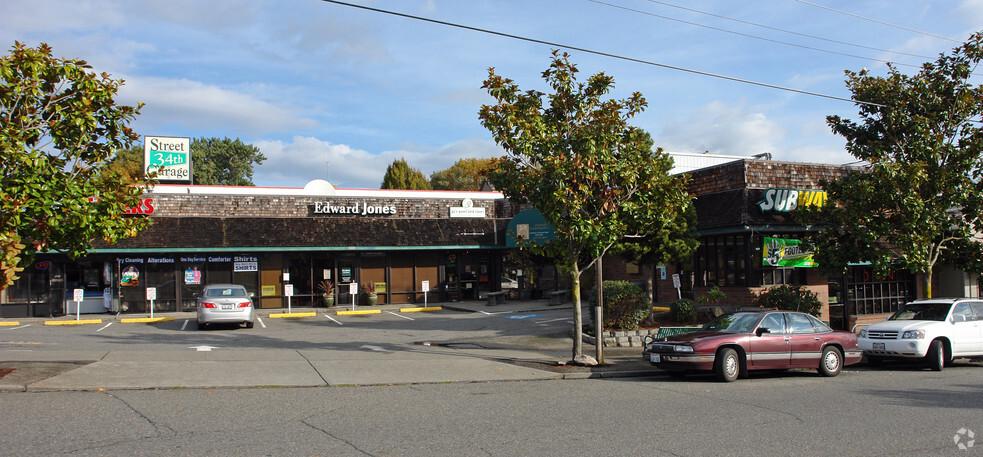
331	435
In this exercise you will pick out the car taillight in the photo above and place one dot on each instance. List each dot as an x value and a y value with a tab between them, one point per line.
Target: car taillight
245	304
206	304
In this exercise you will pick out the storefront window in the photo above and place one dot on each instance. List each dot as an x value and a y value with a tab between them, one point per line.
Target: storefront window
722	261
160	276
870	294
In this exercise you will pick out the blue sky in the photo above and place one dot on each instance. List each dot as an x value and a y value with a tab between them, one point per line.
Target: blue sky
334	92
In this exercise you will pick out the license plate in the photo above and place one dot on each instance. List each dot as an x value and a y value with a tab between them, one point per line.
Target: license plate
878	346
655	358
226	306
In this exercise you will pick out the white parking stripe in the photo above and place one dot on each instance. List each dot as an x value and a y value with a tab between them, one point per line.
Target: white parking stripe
185	325
554	320
333	320
104	327
260	319
400	315
15	328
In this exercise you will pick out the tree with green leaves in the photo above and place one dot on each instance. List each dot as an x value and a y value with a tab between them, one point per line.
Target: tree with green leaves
127	162
574	157
399	175
672	243
465	174
920	197
223	162
59	124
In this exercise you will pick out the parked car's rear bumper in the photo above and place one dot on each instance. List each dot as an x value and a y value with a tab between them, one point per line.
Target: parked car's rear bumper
210	316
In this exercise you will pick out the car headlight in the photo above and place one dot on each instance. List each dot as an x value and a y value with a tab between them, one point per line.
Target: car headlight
682	348
863	333
913	334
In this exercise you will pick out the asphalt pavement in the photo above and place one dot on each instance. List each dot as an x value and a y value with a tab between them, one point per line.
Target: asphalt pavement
517	359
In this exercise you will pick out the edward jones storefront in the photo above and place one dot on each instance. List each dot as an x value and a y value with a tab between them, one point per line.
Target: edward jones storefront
272	240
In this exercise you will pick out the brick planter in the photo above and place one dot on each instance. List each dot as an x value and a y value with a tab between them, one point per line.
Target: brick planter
623	339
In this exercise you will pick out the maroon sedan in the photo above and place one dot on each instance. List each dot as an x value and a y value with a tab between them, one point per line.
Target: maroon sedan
733	344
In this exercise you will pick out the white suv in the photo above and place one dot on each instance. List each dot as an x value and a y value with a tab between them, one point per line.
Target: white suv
935	330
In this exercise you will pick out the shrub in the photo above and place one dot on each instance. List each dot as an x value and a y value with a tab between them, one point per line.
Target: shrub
625	305
683	311
792	298
713	296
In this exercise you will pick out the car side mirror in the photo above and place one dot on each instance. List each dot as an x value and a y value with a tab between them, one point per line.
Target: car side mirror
761	330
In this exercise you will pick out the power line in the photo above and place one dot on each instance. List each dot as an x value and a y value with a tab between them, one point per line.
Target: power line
600	53
745	34
791	32
877	21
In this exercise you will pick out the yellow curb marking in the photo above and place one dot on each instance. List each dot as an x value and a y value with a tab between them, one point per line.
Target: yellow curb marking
274	316
9	324
366	311
78	322
660	309
146	319
413	310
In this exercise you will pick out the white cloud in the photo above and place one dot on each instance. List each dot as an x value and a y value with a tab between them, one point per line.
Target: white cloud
722	129
195	105
305	158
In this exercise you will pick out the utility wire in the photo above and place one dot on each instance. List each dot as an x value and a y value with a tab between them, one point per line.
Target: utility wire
601	53
790	32
746	35
876	21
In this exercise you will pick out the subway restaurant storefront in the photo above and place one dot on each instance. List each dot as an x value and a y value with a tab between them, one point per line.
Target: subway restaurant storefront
287	246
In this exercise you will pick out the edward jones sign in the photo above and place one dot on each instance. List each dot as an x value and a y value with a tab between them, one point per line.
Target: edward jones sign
168	156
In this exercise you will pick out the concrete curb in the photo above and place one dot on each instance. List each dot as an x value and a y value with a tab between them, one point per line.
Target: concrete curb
285	315
414	310
77	322
358	312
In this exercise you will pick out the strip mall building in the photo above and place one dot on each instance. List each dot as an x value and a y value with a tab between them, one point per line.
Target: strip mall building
281	243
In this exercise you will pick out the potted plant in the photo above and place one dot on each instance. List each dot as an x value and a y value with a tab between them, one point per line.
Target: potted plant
372	296
327	292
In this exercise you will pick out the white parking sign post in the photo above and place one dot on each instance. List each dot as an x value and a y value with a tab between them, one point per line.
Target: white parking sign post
78	295
288	290
353	291
151	295
676	283
426	288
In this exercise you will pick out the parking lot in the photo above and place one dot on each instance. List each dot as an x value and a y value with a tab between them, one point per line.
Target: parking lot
320	347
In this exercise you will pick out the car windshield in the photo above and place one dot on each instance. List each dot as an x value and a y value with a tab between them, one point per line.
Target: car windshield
922	312
225	292
733	323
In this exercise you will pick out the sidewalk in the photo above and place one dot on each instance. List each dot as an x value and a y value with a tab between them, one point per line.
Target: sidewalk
517	359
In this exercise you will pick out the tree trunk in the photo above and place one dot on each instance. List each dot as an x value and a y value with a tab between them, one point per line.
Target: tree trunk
927	275
578	328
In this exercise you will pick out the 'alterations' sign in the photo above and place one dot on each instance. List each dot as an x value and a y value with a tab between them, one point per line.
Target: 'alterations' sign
170	157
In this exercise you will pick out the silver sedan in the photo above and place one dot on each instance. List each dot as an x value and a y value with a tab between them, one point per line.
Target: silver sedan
225	304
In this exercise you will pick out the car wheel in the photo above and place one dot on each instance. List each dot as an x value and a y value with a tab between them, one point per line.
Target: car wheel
831	362
249	325
936	355
728	365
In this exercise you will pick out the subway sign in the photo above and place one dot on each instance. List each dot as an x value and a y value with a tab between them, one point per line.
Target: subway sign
784	200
